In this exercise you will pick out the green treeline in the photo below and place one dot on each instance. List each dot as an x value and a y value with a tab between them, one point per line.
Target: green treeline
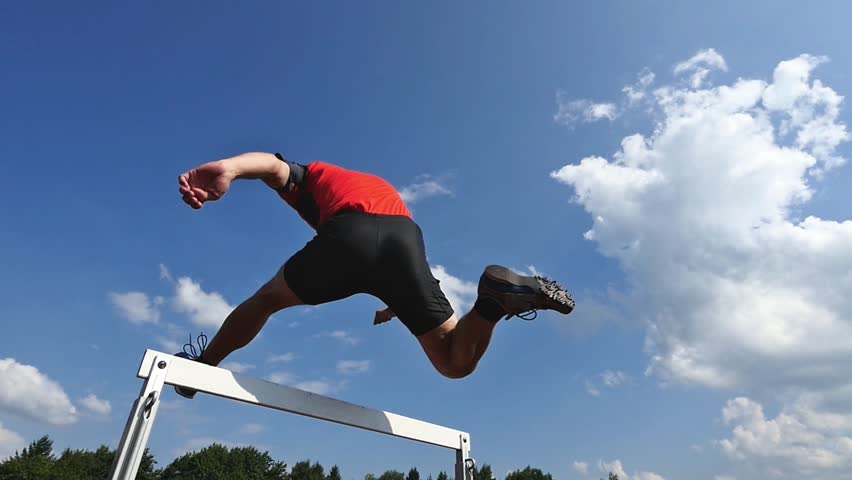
216	462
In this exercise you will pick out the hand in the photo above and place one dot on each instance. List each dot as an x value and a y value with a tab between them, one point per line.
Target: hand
207	183
383	316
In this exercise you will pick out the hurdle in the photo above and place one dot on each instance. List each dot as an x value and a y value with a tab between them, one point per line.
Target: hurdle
159	369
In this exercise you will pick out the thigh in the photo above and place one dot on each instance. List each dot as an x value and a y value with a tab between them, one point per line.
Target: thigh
277	292
406	282
329	267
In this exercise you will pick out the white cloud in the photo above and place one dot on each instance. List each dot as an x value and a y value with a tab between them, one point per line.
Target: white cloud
800	442
282	358
349	367
96	405
293	324
252	429
137	307
613	379
570	111
700	218
639	90
237	367
171	346
342	336
200	443
10	442
700	65
724	477
617	468
320	386
592	389
581	467
424	187
609	379
26	391
282	378
165	274
204	309
460	293
736	290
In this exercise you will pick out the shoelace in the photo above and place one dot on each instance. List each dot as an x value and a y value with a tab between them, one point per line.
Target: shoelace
189	348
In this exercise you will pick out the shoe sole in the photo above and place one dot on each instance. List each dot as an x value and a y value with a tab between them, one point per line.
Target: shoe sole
558	298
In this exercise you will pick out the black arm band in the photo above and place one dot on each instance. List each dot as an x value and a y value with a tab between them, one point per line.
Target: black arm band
298	173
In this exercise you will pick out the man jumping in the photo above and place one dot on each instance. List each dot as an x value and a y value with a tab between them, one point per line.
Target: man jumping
366	242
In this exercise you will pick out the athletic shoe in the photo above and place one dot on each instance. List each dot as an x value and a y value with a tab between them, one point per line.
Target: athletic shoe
523	296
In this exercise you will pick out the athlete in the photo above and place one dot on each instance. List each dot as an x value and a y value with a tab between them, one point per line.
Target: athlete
366	242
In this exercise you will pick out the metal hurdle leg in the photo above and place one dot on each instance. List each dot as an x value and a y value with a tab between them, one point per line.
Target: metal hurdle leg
130	450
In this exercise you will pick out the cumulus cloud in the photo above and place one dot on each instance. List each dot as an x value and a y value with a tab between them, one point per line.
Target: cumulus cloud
592	389
704	217
349	367
639	90
613	379
25	391
137	307
460	293
10	442
165	274
342	336
700	65
570	111
204	309
701	217
320	386
200	443
581	467
617	468
282	358
252	429
800	442
424	186
237	367
608	379
96	405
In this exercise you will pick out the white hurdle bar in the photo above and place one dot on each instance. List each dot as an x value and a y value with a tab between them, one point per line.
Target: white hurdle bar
160	369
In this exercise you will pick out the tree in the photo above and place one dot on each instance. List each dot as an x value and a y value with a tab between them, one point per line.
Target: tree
392	475
529	473
33	463
413	474
217	462
305	471
85	465
442	475
483	473
612	476
333	474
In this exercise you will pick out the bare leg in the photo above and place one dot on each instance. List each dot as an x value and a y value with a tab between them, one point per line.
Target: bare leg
456	346
246	321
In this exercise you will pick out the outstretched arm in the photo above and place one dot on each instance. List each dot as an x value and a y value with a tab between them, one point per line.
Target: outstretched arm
209	182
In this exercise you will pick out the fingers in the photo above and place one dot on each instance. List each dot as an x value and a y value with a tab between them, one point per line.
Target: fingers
192	201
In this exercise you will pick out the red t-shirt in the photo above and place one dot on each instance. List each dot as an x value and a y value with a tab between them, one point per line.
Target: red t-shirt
328	189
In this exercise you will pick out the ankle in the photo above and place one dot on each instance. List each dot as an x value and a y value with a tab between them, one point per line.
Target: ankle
489	309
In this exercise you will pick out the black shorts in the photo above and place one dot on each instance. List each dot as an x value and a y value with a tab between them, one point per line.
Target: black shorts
380	255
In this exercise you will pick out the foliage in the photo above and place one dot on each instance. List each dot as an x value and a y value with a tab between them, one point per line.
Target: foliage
217	462
529	473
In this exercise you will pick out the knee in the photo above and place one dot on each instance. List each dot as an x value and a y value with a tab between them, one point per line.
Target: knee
456	371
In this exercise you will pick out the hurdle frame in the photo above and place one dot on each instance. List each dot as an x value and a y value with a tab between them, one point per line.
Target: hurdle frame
160	369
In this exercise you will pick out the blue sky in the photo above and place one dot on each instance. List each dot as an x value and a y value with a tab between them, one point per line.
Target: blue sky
708	256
